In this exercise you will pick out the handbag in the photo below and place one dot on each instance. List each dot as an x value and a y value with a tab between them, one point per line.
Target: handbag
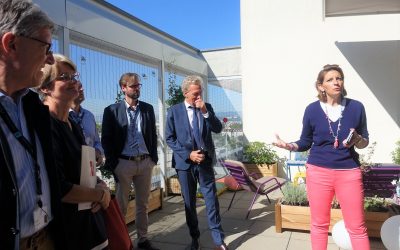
117	231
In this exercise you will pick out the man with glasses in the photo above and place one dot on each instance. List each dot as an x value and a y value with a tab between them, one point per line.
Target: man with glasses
85	119
48	45
129	141
29	188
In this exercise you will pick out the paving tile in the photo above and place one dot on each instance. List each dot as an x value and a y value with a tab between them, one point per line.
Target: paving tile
299	235
236	226
237	213
267	229
231	240
305	244
263	214
263	242
296	244
224	203
168	229
168	246
162	218
172	207
174	199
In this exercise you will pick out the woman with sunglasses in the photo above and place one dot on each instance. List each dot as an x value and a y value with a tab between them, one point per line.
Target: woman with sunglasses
332	127
85	228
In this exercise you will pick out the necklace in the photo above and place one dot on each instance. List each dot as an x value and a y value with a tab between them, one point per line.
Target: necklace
335	137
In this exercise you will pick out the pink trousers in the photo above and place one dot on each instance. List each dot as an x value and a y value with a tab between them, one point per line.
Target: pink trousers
322	185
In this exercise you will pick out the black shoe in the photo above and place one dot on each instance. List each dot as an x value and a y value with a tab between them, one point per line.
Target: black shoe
146	245
195	244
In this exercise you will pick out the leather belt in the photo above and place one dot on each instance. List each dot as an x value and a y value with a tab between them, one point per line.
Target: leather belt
134	158
34	240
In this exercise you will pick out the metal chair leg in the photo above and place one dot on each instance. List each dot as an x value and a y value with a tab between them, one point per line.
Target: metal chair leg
268	198
251	205
233	197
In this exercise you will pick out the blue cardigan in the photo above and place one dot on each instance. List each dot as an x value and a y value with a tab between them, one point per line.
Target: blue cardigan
315	135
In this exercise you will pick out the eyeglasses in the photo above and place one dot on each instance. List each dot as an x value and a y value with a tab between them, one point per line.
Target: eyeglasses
135	86
65	77
48	49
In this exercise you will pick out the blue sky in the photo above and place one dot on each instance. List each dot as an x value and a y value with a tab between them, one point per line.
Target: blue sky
204	24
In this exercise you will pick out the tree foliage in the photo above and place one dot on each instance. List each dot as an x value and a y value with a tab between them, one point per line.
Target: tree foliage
396	153
175	94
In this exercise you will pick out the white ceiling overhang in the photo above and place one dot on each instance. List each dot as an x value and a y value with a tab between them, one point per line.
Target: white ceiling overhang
361	7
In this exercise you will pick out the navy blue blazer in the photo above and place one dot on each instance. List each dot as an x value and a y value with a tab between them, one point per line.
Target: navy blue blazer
114	131
179	136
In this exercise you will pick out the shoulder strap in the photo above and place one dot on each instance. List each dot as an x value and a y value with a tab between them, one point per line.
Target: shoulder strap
17	134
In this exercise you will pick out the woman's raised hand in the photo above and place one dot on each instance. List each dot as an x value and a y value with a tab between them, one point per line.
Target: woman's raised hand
282	144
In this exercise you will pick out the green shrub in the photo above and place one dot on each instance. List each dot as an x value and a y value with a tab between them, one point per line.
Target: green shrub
294	195
259	153
376	204
297	196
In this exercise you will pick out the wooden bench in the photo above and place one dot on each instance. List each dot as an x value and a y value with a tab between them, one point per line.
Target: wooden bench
378	180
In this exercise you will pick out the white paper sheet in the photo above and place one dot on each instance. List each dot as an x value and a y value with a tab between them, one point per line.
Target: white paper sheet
88	172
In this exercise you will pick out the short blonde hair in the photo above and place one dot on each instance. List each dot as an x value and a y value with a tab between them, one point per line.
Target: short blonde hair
191	80
50	72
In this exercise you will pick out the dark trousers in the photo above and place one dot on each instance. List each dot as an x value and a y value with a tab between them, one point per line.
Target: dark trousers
188	179
40	240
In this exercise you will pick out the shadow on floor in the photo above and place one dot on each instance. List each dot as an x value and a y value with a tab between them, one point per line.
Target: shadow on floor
168	230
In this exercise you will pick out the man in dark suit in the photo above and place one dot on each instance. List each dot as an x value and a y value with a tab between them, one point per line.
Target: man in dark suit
29	186
188	134
129	141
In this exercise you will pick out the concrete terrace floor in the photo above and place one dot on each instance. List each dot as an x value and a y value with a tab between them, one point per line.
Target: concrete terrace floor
168	230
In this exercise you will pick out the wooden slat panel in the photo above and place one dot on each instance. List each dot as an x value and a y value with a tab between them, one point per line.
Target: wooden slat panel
296	217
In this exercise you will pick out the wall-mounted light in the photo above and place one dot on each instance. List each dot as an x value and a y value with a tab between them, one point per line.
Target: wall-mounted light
83	59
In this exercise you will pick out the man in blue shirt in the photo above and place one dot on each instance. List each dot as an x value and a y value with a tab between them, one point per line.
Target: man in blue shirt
85	119
129	139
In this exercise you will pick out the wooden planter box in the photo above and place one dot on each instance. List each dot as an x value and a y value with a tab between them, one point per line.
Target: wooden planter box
297	217
173	186
263	170
155	202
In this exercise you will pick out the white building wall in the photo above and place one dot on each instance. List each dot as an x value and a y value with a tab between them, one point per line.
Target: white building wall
284	46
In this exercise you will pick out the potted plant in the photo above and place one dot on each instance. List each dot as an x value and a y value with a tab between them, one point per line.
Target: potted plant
396	153
260	158
292	211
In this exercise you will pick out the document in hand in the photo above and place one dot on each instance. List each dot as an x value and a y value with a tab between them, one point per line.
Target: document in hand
88	172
